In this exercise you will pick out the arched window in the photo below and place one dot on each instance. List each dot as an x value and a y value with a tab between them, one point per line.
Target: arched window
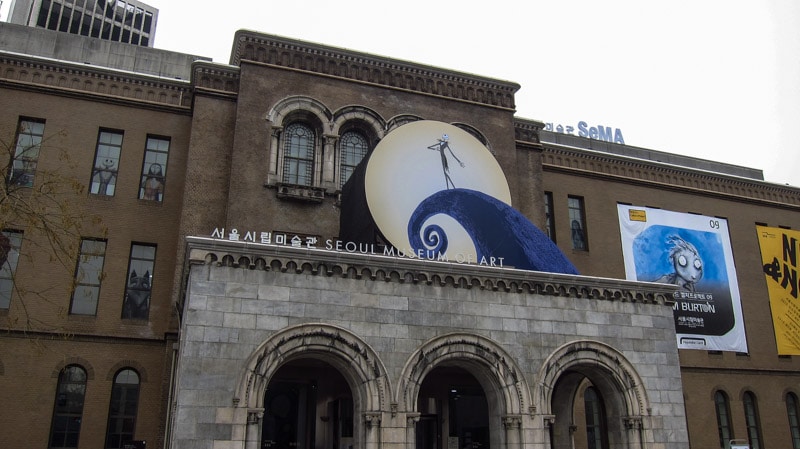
751	416
793	410
122	409
68	409
596	436
723	418
353	147
298	154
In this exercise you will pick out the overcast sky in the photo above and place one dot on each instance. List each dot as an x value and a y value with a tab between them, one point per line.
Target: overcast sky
714	79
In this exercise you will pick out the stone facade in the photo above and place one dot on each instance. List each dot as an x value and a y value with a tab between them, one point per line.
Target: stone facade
386	323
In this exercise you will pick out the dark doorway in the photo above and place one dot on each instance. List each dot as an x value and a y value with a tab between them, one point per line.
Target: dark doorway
307	405
452	401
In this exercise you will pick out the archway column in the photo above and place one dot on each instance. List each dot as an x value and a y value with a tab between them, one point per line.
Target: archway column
634	426
253	430
513	425
411	430
372	429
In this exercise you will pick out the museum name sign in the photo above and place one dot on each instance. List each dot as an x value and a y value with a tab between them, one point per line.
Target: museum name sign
313	242
599	132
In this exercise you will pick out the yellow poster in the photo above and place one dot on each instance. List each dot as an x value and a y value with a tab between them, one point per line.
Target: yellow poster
779	255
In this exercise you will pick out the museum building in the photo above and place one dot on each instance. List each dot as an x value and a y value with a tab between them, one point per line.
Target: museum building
312	247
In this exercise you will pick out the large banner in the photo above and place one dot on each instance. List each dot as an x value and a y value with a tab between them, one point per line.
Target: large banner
694	253
779	249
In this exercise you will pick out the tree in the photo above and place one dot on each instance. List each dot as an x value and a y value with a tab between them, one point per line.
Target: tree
45	205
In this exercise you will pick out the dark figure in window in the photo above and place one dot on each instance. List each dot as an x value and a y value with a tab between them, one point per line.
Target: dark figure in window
578	242
154	183
441	146
137	296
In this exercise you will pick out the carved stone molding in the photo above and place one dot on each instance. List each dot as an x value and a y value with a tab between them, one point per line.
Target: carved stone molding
361	67
372	419
512	422
28	72
287	259
215	78
633	422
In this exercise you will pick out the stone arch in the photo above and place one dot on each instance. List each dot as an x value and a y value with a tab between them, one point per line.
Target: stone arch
80	361
610	371
127	364
354	358
475	133
360	114
503	383
296	104
400	120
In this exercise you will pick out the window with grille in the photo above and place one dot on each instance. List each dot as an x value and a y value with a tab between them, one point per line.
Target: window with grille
298	154
65	427
122	409
723	418
26	152
88	276
353	147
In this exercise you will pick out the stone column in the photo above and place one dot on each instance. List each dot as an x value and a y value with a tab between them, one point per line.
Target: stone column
411	430
512	425
274	149
634	427
329	163
372	429
252	439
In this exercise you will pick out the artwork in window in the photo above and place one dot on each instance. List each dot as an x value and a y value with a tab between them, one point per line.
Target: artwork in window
577	223
298	155
154	169
122	409
88	277
106	163
10	242
26	152
68	409
548	215
137	292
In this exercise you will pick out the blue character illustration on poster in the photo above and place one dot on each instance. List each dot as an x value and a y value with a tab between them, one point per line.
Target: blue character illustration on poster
468	217
692	260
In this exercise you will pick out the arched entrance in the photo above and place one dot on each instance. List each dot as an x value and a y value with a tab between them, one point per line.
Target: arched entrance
453	411
313	386
464	391
308	404
594	398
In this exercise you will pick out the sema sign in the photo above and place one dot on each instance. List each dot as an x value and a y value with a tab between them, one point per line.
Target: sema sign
599	132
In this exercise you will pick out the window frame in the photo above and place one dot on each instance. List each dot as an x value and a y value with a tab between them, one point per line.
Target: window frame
152	185
33	144
793	415
349	154
106	174
576	208
549	216
9	268
87	258
134	292
122	416
64	387
292	162
598	425
752	420
722	410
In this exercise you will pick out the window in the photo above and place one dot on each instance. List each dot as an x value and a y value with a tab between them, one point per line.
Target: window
154	169
353	147
88	276
68	409
723	418
595	419
298	155
26	153
548	216
751	417
140	272
793	410
10	242
577	223
122	409
106	163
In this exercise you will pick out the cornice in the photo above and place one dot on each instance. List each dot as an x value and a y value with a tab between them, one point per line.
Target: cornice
370	69
667	176
318	262
67	78
215	79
